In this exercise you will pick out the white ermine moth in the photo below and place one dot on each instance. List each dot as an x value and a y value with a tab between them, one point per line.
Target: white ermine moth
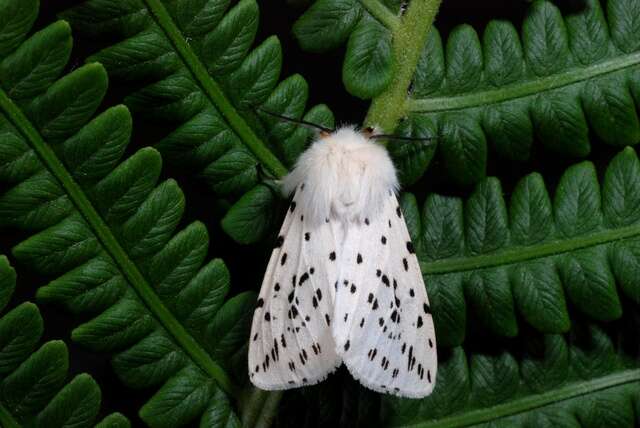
343	283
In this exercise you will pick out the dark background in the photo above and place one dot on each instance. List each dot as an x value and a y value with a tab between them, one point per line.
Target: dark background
323	72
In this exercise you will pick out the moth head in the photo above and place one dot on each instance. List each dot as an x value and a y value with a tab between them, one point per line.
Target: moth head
345	175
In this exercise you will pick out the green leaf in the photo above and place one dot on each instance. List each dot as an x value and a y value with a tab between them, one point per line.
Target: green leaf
109	237
567	76
368	64
553	83
114	420
252	217
327	24
527	264
197	74
33	378
544	382
411	158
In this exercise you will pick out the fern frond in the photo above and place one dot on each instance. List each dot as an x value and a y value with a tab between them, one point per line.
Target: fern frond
587	378
108	233
560	80
33	379
201	78
534	259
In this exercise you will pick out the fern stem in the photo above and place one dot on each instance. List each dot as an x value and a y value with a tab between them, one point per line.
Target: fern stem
381	13
523	253
519	90
6	419
111	244
260	408
408	40
213	90
533	401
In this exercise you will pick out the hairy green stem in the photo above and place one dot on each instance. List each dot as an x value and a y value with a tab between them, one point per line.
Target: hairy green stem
524	253
213	91
381	13
408	41
6	420
111	244
530	402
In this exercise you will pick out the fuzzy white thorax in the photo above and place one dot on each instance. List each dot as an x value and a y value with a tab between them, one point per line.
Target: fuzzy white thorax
343	175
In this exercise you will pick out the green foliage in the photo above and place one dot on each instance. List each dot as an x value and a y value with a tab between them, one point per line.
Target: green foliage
367	27
587	378
199	76
33	378
502	268
108	234
553	280
560	78
556	81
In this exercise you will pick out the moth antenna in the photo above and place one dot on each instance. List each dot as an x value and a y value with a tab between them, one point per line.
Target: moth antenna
300	122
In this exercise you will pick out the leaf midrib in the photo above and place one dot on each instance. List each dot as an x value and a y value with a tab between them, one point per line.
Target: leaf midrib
523	253
522	89
534	401
213	90
112	246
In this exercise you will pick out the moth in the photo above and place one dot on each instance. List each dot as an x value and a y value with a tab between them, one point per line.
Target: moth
343	284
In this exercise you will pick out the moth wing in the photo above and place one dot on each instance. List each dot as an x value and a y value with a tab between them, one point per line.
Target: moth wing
384	329
291	342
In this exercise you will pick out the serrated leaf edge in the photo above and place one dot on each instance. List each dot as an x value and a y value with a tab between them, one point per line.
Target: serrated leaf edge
111	245
213	90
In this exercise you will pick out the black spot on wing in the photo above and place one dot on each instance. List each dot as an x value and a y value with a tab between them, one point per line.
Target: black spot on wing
332	255
359	258
260	303
398	212
307	236
385	280
279	241
383	239
303	278
292	207
405	263
410	247
283	260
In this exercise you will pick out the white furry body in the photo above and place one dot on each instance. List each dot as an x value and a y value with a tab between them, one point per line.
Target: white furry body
343	283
